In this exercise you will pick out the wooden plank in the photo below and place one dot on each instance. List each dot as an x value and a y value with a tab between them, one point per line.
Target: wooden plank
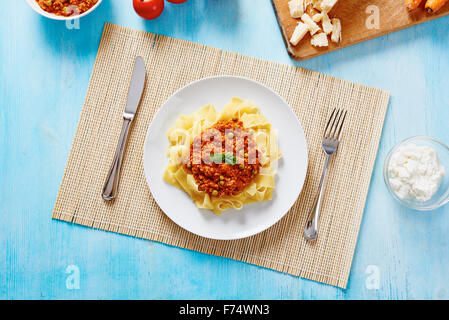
358	20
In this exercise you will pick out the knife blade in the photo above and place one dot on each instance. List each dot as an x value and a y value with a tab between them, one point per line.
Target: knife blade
135	92
136	86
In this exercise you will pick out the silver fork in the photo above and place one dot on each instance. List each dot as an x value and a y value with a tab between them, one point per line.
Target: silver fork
331	140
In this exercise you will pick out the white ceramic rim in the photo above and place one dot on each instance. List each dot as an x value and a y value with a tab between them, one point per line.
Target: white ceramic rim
33	4
299	186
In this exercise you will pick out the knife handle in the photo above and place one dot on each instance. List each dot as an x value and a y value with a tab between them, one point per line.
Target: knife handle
112	180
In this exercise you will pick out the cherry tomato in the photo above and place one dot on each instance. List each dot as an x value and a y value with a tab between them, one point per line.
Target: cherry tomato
148	9
177	1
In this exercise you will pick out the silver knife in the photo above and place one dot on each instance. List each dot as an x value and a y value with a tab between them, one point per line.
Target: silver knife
134	95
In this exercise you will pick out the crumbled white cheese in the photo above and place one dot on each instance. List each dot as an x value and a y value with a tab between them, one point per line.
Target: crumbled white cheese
296	8
328	5
320	40
299	33
317	4
330	27
327	24
336	31
313	27
307	2
324	5
415	172
318	17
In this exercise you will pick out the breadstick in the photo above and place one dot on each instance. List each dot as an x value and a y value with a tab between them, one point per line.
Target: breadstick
412	4
434	5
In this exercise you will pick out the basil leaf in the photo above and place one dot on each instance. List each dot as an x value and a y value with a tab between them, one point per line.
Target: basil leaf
227	158
230	159
217	157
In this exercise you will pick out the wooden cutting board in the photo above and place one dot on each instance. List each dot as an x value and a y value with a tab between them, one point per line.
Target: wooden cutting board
361	20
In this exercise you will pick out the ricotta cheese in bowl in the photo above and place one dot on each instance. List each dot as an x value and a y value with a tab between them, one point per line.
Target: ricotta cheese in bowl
415	173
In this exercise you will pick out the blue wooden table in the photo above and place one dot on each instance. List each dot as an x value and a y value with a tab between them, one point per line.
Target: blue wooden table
44	73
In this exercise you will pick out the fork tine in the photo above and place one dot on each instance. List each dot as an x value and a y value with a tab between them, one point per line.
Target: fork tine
341	126
328	123
334	124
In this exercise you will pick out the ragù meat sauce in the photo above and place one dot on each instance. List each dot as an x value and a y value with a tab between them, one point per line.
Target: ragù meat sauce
66	8
224	160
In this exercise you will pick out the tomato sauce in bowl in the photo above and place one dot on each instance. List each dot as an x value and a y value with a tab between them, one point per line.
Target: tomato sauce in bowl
224	159
66	8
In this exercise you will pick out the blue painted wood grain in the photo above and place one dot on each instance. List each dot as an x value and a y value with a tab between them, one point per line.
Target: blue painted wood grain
44	73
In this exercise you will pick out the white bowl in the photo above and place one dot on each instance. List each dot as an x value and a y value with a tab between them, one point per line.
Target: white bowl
33	4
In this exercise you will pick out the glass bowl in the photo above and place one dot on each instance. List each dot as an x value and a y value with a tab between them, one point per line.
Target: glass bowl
440	197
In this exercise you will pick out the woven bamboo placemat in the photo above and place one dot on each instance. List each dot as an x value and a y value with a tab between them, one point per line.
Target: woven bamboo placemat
173	63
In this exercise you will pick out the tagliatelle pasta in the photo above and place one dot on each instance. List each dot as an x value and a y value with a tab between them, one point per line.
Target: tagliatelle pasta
223	160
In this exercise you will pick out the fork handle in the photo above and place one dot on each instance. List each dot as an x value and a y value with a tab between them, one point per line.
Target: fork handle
311	229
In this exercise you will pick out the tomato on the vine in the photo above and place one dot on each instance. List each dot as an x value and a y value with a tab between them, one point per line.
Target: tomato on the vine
148	9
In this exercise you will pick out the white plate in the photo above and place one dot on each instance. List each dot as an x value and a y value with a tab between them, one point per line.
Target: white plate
255	217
